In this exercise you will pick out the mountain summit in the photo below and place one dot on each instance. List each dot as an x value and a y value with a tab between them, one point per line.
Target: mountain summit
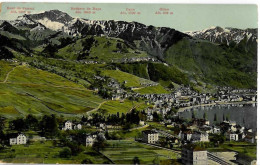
224	56
225	35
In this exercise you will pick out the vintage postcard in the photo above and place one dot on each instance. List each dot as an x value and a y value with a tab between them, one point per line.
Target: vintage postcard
124	83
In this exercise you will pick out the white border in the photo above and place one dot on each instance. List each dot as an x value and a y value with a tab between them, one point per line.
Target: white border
257	2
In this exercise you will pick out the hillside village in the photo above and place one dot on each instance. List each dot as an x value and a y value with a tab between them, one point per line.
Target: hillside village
117	92
170	132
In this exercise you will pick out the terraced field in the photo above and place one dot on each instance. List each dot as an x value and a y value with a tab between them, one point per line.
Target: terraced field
28	90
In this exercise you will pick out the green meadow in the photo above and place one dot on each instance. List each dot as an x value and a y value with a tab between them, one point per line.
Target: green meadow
99	49
124	151
45	152
245	148
131	80
112	107
5	67
158	89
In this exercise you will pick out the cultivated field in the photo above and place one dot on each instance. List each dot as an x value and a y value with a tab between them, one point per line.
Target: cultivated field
124	151
25	90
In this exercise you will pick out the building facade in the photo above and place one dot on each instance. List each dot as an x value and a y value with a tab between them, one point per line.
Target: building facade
194	156
17	139
150	136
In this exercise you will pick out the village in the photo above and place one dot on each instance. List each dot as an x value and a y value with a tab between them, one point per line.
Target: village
160	125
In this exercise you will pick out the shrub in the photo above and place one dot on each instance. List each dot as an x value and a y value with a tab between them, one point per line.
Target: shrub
65	153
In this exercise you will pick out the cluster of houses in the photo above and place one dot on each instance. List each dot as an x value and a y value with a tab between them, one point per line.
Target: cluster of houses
137	59
234	132
17	138
68	125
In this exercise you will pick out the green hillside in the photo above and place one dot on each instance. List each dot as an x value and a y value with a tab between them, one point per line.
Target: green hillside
28	90
158	89
102	49
213	63
129	79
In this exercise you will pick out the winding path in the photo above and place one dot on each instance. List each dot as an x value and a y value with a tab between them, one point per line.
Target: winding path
7	75
95	109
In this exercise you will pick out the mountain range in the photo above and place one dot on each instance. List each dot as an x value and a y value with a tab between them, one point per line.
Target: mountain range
218	56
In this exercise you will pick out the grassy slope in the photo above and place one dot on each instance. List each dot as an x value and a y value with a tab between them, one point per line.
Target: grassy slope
5	67
39	92
23	74
213	63
132	80
100	49
158	89
112	107
157	72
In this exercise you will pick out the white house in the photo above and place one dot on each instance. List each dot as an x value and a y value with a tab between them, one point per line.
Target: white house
150	136
67	126
90	140
231	136
17	139
70	126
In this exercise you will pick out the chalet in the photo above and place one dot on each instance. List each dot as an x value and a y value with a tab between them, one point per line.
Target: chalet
150	136
17	138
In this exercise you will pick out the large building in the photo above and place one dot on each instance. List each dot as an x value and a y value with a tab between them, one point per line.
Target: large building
194	155
150	136
17	138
